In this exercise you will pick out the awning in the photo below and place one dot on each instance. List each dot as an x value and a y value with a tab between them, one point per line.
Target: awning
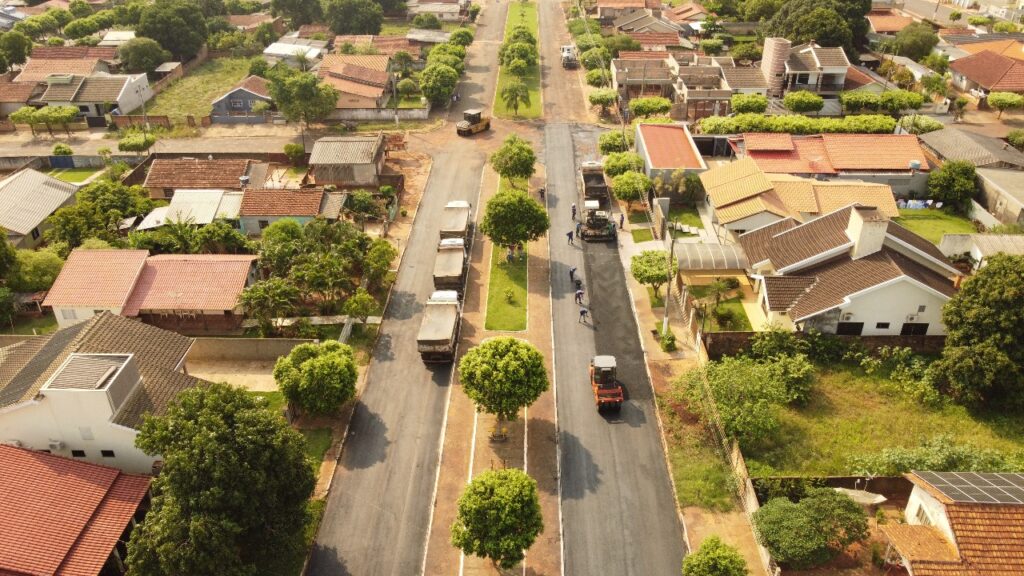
697	257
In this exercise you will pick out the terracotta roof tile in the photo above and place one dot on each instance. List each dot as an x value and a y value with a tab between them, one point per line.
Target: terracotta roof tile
621	4
194	282
1007	47
783	291
991	71
254	84
767	141
391	45
17	92
734	182
856	79
670	146
248	21
308	30
874	151
74	52
916	542
347	86
59	515
801	242
38	69
196	173
96	278
887	21
655	38
281	202
643	55
353	39
332	62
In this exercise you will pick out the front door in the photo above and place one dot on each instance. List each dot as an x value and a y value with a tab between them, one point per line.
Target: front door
914	329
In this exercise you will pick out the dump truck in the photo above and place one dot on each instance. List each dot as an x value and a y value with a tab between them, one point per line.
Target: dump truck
473	121
450	265
593	182
439	330
597	223
457	221
569	59
608	391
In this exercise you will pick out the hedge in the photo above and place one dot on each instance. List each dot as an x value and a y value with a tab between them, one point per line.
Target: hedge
797	124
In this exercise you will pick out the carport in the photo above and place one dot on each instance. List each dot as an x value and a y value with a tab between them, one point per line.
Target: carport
702	263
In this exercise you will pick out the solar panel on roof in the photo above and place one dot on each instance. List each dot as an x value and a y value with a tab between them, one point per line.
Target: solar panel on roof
973	487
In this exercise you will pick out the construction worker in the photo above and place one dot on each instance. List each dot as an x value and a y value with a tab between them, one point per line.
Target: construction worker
573	210
579	296
583	315
572	274
622	219
569	235
579	229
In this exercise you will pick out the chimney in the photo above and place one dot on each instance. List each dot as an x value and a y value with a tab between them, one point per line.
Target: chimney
866	229
773	64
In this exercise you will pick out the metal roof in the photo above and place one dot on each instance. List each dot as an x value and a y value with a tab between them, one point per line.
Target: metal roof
346	150
604	361
28	197
693	257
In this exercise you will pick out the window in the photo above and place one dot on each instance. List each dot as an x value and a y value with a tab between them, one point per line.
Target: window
67	313
264	224
35	233
914	329
98	312
922	517
84	108
78	453
850	328
882	326
237	104
107	453
168	193
921	309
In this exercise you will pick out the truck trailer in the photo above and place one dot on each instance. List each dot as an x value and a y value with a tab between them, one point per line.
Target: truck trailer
457	221
438	337
451	265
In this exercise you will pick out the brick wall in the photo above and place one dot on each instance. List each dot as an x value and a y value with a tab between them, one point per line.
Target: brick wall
720	344
249	349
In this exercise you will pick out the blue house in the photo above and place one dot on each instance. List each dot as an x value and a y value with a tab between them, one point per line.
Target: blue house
236	107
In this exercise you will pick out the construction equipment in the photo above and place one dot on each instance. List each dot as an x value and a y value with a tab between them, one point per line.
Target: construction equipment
597	223
473	121
439	330
569	59
608	392
593	182
451	265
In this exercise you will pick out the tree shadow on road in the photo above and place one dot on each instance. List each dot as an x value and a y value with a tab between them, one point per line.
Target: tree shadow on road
542	437
383	352
325	561
403	305
580	474
373	442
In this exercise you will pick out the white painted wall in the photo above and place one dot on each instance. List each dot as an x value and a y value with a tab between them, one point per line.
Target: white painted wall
135	92
752	222
892	304
934	510
76	315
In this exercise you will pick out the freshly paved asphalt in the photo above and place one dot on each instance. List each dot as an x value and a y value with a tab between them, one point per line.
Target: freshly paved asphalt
618	509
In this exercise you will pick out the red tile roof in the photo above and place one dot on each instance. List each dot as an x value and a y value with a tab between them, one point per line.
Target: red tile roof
992	71
655	38
17	92
196	173
832	153
254	84
74	52
856	79
669	146
38	69
59	515
198	282
307	30
643	55
96	278
248	21
281	202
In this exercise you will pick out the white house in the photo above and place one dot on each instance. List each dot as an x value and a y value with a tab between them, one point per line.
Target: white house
850	272
980	247
93	94
82	392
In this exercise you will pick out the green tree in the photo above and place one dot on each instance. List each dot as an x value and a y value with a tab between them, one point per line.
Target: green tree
715	558
603	97
80	9
598	77
302	98
746	51
402	61
813	531
176	25
437	82
515	159
318	378
630	187
802	102
916	40
378	261
618	163
512	218
35	270
521	34
749	103
821	21
896	101
649	106
515	94
527	52
934	85
62	150
1003	101
137	142
955	16
462	37
268	299
407	87
1016	138
981	363
231	496
619	42
299	12
8	306
503	375
8	257
1004	27
498	517
614	141
142	54
758	10
15	47
353	16
426	21
653	268
360	305
746	394
953	184
219	237
937	62
327	274
711	46
596	58
517	68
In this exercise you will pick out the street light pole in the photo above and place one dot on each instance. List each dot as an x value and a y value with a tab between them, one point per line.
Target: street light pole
668	290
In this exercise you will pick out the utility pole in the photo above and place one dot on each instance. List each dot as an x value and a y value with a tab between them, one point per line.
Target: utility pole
668	290
395	96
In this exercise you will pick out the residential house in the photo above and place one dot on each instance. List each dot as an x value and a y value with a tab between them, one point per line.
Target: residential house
686	13
705	85
850	272
363	82
166	175
666	148
82	392
886	22
62	516
250	22
643	77
39	69
1009	47
348	161
183	292
27	199
896	160
1002	193
608	10
983	151
960	523
117	38
988	72
9	16
196	207
236	105
96	95
105	54
43	7
444	11
391	45
421	37
261	207
644	20
803	67
980	247
15	95
858	79
655	40
744	198
296	52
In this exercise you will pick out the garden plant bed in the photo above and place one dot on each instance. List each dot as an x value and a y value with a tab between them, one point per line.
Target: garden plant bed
642	235
73	175
503	314
520	14
740	321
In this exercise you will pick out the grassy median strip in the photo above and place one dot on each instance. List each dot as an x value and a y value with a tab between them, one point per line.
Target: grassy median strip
521	14
506	292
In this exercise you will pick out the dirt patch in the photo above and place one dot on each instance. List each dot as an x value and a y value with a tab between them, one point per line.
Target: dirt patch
255	376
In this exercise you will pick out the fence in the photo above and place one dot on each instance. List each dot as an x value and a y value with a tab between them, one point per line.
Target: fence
139	120
381	114
720	344
242	349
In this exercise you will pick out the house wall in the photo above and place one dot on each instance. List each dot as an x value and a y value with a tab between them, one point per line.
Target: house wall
28	242
380	114
238	102
135	92
903	185
250	225
963	83
347	175
751	222
1003	206
923	508
347	100
69	316
893	304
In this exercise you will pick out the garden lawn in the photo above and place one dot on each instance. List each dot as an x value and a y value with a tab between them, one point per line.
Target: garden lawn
318	441
73	175
42	325
503	314
525	14
701	476
406	102
932	224
849	416
642	235
194	94
740	323
401	27
685	215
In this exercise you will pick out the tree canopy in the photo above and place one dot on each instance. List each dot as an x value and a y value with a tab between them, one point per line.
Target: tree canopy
803	101
916	40
749	103
176	25
301	97
503	375
515	93
353	16
827	22
98	211
231	496
437	82
953	184
621	162
1003	101
35	270
813	531
630	187
318	378
603	97
8	256
512	218
498	517
142	54
649	106
299	12
714	558
515	159
268	299
653	268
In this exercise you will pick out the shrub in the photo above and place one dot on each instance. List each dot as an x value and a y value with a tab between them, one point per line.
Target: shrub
774	342
940	453
649	106
746	51
613	141
979	20
595	58
62	150
796	124
715	558
802	101
426	21
319	378
747	394
918	124
621	162
711	46
1016	138
598	78
812	531
749	103
797	376
296	153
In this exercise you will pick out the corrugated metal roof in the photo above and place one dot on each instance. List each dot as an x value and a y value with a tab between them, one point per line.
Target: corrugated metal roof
694	257
28	197
337	150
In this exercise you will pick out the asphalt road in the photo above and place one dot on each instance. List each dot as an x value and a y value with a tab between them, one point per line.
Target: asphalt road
618	509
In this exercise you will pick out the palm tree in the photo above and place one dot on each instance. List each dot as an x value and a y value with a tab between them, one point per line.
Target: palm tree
515	94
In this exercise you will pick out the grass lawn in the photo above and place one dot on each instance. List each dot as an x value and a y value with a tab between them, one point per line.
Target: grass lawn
932	224
314	513
642	235
524	14
296	172
638	217
657	299
194	94
275	400
42	325
701	476
685	215
318	440
73	175
401	26
503	314
740	321
849	416
402	126
362	340
406	102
